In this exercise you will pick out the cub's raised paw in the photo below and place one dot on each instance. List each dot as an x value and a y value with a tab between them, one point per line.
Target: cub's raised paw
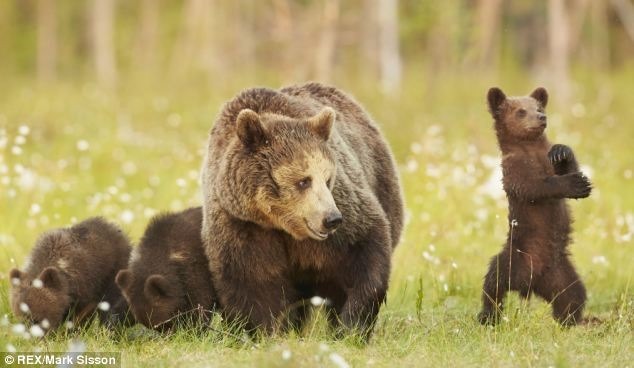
579	186
559	153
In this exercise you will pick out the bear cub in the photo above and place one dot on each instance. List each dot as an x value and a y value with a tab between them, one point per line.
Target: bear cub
537	179
168	275
69	273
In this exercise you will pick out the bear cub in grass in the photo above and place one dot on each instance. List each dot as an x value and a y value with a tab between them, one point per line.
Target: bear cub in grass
168	275
301	199
69	273
537	179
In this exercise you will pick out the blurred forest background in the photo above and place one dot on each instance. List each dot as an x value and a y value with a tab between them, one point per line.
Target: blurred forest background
105	106
110	41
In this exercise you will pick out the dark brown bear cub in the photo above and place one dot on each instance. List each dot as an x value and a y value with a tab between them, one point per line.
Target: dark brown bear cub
537	178
70	272
168	275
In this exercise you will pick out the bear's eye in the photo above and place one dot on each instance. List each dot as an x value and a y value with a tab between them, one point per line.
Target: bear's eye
304	183
521	113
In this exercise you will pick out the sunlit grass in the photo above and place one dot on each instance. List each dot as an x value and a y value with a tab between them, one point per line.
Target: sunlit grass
69	151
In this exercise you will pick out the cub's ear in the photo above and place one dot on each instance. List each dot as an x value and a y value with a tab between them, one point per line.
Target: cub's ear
15	274
495	97
157	287
541	95
51	278
123	279
321	124
250	130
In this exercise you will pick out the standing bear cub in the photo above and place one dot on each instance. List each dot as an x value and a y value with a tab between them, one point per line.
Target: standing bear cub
70	271
301	199
168	277
537	179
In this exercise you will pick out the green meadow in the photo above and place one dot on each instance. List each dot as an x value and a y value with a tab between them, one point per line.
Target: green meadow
71	150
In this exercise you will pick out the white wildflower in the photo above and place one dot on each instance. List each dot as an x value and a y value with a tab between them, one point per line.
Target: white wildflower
104	306
35	209
317	301
286	354
24	130
18	329
127	216
36	331
24	308
10	348
600	260
45	324
37	283
338	360
83	145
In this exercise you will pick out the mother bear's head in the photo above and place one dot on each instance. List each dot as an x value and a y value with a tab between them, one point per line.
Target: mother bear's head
281	173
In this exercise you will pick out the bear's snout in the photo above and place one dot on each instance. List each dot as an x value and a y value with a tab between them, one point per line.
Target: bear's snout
332	220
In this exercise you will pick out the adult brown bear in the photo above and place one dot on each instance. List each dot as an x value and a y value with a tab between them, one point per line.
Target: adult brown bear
301	199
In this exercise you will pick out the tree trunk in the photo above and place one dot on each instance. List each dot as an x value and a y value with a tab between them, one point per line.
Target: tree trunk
389	57
599	39
195	45
489	17
46	40
625	10
102	32
327	42
559	39
147	36
369	35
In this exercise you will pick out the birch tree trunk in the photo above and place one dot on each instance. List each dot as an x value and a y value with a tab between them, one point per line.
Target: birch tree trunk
102	32
327	41
46	40
389	56
147	35
559	46
489	14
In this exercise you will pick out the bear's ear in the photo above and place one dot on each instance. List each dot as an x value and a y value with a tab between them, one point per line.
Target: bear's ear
541	95
321	124
156	287
15	274
51	278
495	97
250	130
123	279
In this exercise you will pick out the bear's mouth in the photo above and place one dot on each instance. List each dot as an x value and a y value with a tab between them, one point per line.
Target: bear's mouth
317	234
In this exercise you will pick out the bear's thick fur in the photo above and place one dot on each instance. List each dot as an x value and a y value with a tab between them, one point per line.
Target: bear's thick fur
537	178
70	271
301	198
168	275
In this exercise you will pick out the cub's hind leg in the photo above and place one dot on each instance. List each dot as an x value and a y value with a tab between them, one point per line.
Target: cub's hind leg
562	287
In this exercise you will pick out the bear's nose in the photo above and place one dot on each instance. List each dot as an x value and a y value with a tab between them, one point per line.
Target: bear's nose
333	220
542	117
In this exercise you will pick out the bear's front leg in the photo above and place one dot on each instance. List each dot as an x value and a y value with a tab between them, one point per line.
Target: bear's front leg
248	266
260	303
366	281
563	159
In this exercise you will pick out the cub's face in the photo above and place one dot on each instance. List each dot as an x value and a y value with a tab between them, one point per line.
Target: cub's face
520	118
44	300
153	301
296	172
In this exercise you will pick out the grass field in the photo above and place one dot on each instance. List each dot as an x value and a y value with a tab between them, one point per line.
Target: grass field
69	151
